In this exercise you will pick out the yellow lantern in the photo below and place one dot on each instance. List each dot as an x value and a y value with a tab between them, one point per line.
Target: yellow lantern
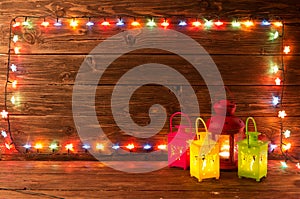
252	155
204	155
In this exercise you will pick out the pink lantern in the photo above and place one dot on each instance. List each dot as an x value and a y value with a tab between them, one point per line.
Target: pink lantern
178	143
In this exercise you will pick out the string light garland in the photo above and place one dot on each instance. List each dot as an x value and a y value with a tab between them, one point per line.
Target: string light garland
133	22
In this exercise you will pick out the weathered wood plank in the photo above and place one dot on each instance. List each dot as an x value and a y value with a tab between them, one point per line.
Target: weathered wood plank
69	180
235	70
57	100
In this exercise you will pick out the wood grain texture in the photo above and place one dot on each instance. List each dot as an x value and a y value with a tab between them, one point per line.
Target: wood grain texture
50	59
94	180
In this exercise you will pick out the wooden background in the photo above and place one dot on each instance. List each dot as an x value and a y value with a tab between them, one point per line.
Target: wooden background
51	58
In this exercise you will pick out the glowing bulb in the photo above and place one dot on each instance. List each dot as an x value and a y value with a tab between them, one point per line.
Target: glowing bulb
274	35
8	146
45	24
13	100
4	114
162	147
38	146
120	22
283	164
13	68
105	23
277	81
135	23
235	24
287	133
208	23
86	146
14	84
115	146
53	146
90	23
69	147
273	147
25	23
17	50
278	24
265	23
165	24
298	165
248	23
219	23
282	114
196	23
99	146
286	146
151	23
74	23
15	38
27	146
287	49
130	146
147	147
275	100
274	69
16	24
182	23
57	23
3	133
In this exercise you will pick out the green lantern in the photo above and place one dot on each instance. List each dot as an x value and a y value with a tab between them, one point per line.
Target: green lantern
252	155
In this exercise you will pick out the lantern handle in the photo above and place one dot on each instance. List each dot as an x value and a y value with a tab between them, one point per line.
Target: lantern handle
205	127
183	114
230	94
247	132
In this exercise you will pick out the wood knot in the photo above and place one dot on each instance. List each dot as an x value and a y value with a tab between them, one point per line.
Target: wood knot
68	130
60	12
65	76
29	38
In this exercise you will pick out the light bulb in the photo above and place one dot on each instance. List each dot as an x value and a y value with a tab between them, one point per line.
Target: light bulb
13	68
147	147
99	146
287	49
278	24
236	24
287	133
74	23
120	22
90	23
130	146
45	24
248	23
182	23
219	23
3	133
4	114
165	24
115	146
196	23
151	23
265	23
17	50
275	100
282	114
208	23
277	81
15	38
